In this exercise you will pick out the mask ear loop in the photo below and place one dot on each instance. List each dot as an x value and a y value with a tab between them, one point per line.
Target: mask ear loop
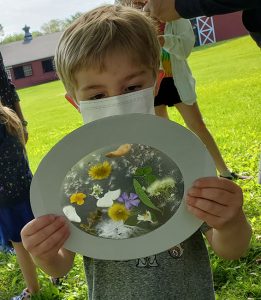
70	99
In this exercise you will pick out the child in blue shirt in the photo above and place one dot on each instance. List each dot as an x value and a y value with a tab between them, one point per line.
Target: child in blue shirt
15	208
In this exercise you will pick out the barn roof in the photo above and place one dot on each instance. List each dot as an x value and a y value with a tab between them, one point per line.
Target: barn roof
21	52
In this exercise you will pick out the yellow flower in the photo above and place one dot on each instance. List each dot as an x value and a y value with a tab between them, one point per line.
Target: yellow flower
100	171
78	198
118	212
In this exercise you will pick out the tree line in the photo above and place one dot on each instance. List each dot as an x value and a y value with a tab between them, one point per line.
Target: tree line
54	25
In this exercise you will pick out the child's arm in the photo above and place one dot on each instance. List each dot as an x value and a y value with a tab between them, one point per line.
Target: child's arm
43	238
218	202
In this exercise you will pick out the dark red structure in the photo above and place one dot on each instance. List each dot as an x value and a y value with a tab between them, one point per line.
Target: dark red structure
229	26
38	75
30	62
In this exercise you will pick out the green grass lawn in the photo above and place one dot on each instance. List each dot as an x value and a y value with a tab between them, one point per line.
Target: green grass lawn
229	95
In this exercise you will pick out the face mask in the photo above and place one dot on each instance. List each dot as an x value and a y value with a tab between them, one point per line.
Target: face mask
137	102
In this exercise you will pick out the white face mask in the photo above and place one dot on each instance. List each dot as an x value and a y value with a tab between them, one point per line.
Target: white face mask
137	102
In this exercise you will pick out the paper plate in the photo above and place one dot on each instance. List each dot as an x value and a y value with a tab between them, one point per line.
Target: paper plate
121	182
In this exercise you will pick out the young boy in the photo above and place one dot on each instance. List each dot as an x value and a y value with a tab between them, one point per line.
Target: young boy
100	56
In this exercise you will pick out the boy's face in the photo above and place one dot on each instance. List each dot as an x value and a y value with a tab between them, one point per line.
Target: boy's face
120	76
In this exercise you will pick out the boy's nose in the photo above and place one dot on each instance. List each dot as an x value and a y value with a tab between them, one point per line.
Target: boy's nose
114	92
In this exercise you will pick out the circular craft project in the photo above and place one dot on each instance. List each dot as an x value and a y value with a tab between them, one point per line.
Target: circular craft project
121	182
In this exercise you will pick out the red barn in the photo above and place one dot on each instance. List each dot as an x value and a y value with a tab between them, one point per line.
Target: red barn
30	62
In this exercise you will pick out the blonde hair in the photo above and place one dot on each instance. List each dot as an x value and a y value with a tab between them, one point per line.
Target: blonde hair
131	3
12	123
101	31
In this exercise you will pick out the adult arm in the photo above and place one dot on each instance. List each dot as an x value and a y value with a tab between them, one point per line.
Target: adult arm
194	8
169	10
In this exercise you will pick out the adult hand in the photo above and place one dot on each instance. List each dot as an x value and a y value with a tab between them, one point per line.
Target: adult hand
43	237
163	10
216	201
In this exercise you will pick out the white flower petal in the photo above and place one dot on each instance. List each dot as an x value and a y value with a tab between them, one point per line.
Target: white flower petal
107	199
103	202
71	214
145	218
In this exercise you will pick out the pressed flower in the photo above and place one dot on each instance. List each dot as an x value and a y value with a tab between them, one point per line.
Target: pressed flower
100	171
108	198
161	186
78	198
129	201
71	213
96	191
117	230
121	151
118	212
145	217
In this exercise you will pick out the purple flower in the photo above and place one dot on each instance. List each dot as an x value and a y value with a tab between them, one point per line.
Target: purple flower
130	201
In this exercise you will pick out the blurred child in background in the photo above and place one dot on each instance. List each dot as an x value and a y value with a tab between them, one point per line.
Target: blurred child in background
15	209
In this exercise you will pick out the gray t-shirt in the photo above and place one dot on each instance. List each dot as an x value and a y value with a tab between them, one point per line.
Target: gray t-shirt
182	273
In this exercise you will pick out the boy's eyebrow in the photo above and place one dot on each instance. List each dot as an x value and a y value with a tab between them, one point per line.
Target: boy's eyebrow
136	74
129	77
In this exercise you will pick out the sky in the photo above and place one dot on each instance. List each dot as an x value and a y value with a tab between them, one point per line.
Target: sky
14	14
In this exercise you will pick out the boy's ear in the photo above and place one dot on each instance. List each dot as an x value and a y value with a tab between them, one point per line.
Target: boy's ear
71	100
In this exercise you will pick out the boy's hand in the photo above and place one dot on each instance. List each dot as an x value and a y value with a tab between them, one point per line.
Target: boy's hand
216	201
44	236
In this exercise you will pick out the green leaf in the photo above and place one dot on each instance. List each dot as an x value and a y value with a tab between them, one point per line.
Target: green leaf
153	217
143	171
143	196
139	172
147	170
150	179
131	221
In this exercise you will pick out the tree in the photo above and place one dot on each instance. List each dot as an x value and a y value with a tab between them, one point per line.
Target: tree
13	38
37	33
52	26
71	19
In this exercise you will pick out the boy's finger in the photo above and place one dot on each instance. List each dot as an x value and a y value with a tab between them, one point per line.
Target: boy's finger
216	182
209	207
212	194
44	232
211	220
52	244
37	224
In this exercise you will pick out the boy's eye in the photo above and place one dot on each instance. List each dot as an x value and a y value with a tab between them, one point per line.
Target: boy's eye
98	96
133	88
